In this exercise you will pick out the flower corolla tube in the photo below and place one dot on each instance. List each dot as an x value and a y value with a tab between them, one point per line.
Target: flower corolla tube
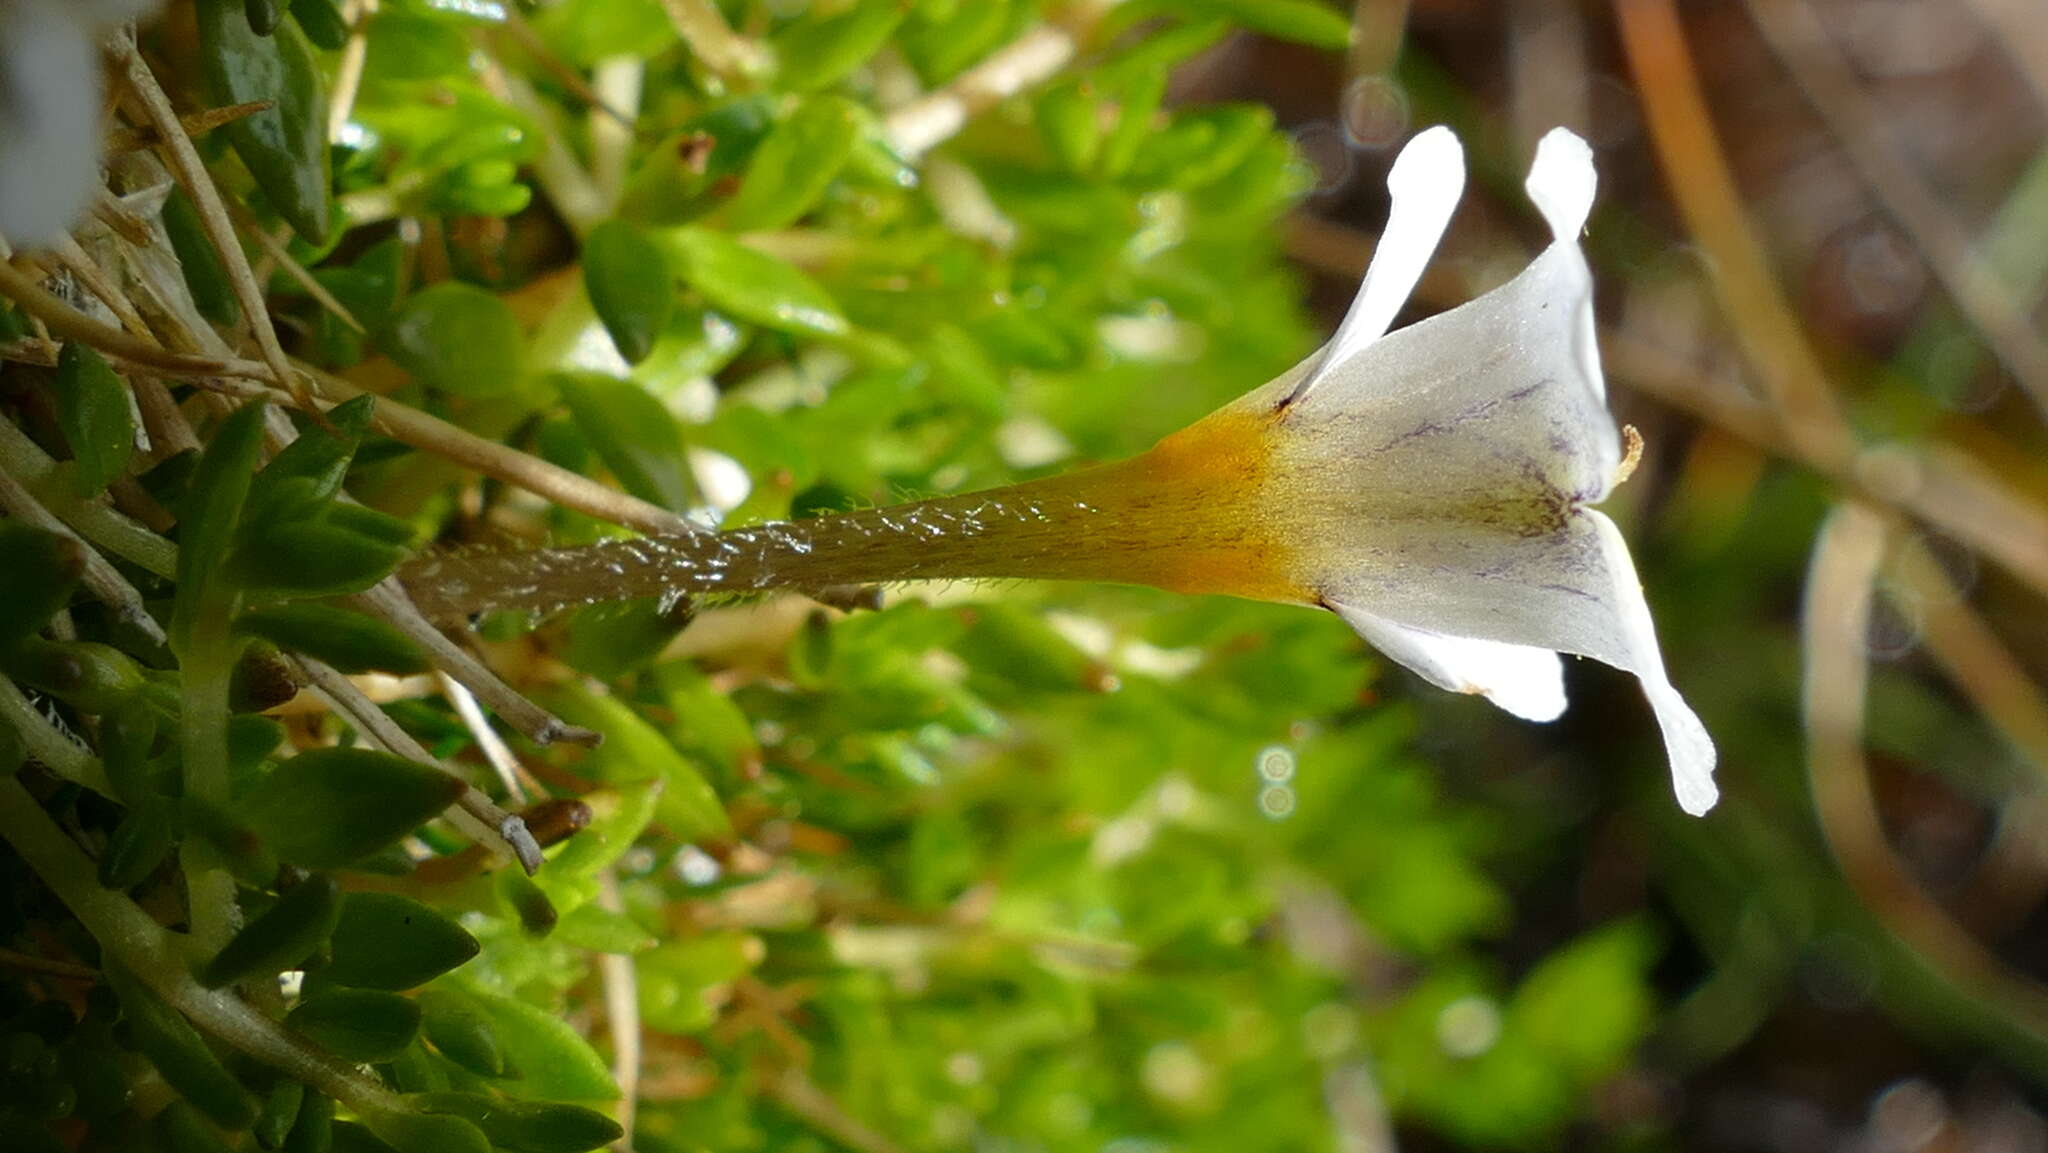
1434	482
1432	486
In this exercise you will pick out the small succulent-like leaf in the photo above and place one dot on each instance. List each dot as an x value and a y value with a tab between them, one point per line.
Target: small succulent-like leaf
205	279
817	53
792	167
552	1060
279	1113
458	338
752	285
138	844
461	1032
207	517
390	941
313	1129
356	1024
635	751
93	410
350	641
174	1047
41	571
628	280
326	807
413	1132
281	937
322	22
284	146
633	434
526	1126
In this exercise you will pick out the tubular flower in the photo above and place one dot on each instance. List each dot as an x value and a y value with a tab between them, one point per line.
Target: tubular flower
1432	485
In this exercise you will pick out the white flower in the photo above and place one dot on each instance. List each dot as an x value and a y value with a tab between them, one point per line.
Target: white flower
1435	481
50	111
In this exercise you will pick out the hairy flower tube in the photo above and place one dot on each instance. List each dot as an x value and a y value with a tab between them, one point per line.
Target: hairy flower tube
1430	485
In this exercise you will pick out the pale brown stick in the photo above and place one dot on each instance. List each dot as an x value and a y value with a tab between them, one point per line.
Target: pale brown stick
213	215
1796	34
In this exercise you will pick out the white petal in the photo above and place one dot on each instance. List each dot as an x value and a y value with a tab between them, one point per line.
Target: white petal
49	129
1573	590
1493	410
1525	681
1562	182
1425	183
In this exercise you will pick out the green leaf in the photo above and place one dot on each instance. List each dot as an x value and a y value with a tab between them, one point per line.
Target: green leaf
617	818
635	751
280	1113
592	926
551	1059
198	260
633	434
284	146
410	1132
611	639
1308	22
313	1130
350	641
356	1024
326	807
816	53
458	338
311	558
183	1130
752	285
138	844
388	941
41	571
308	472
93	410
526	1126
208	515
459	1031
174	1047
322	22
85	674
287	933
792	167
1588	1004
629	285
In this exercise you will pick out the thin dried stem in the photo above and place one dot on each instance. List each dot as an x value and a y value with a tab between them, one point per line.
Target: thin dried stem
27	963
1794	31
65	321
213	215
348	71
1031	59
122	138
401	422
622	1013
1697	175
1835	629
275	250
1973	656
497	753
712	41
389	603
